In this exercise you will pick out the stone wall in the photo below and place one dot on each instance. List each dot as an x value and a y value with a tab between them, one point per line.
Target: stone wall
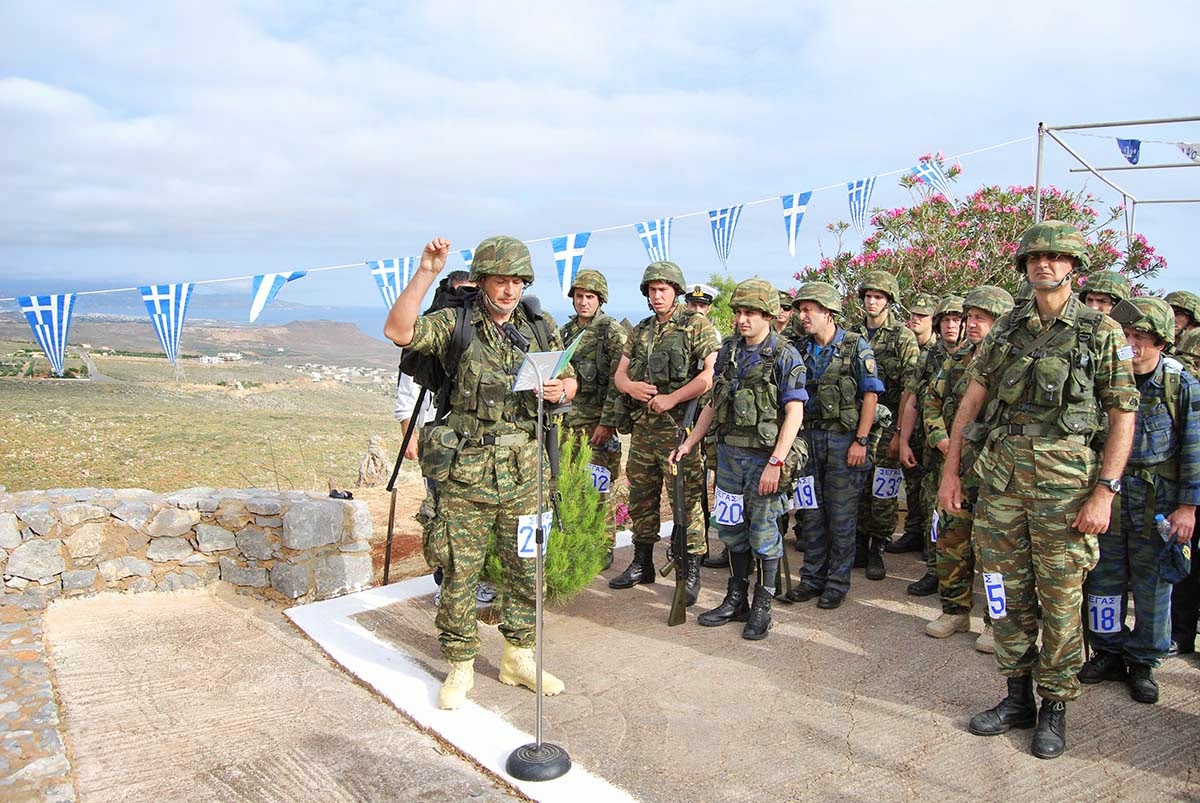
286	546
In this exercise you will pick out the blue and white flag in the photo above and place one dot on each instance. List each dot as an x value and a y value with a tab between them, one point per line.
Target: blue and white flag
930	172
793	212
167	305
1190	149
860	201
724	221
467	255
656	236
392	276
568	254
266	287
1131	149
50	317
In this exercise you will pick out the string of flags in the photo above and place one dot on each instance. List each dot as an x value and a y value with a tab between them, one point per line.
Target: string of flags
166	304
1131	149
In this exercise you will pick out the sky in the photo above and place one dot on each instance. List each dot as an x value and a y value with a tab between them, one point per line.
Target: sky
150	142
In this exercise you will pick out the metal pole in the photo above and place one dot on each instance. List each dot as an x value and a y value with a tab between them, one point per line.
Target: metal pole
1125	122
1086	164
1037	175
1133	167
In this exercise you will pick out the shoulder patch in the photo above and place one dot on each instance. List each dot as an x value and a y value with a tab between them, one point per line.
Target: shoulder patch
869	364
1125	352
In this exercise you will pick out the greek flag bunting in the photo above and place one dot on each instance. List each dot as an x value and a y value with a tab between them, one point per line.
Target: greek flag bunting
167	305
1191	150
392	276
50	318
1131	149
930	172
656	236
266	287
467	255
568	254
724	221
860	201
793	212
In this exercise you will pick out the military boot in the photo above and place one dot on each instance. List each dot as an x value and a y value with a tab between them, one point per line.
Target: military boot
909	542
927	585
1017	710
459	680
1050	738
716	560
759	621
518	667
692	591
641	568
734	608
875	568
860	551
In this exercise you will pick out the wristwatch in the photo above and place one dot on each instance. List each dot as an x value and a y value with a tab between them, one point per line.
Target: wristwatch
563	398
1112	485
862	440
774	461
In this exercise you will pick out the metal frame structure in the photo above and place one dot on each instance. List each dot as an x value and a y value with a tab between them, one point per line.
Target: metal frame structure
1130	201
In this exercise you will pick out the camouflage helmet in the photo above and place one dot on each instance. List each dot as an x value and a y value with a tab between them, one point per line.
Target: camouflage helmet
502	256
882	281
785	300
757	294
923	304
1188	347
1157	318
1106	281
667	272
995	301
591	280
823	293
1188	302
1053	236
949	304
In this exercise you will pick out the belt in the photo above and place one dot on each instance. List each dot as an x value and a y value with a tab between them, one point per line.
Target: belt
1036	431
743	441
512	439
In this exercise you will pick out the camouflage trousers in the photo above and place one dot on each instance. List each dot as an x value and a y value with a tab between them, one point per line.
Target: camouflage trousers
649	467
917	517
1041	558
829	530
877	517
955	552
606	456
738	472
930	481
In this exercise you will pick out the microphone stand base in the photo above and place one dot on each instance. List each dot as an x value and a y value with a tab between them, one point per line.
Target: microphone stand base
538	762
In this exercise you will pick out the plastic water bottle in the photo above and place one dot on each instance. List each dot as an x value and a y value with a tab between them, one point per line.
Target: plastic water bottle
1163	526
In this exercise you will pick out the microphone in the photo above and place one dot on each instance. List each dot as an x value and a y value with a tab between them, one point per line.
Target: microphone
515	337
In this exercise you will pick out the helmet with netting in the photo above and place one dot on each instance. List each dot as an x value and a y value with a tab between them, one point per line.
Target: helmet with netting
949	304
502	256
1186	301
667	272
1052	236
592	281
821	292
1157	317
882	281
995	301
757	294
1109	282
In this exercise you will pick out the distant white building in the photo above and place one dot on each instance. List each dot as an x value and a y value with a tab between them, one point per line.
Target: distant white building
230	356
207	360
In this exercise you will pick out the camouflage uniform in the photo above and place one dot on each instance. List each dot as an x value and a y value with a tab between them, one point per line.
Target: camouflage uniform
916	517
1187	303
1163	472
487	454
1185	597
1187	351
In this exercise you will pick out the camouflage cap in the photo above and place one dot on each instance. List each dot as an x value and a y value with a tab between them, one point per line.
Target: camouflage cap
923	304
757	294
821	292
502	256
1186	301
592	281
1052	236
1157	317
882	281
667	272
1109	282
995	301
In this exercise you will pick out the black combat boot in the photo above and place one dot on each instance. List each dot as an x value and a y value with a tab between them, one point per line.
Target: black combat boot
1050	738
734	608
875	568
641	568
759	621
927	585
692	591
860	551
1017	710
909	542
716	560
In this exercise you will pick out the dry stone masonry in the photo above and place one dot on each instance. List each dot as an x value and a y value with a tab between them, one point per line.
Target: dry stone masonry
282	545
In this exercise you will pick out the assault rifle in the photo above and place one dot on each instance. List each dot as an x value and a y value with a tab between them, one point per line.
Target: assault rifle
679	525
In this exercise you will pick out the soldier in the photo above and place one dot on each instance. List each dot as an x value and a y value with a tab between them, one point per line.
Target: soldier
700	298
755	414
1186	307
947	320
1185	597
843	390
896	353
1187	351
1041	378
595	412
1104	289
483	457
667	362
955	549
1162	476
920	322
785	312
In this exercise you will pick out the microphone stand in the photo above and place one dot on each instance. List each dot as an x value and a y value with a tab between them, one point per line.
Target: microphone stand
538	761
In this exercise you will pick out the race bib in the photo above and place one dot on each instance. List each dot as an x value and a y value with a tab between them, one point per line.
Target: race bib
1104	614
805	497
993	589
526	534
728	508
933	528
887	483
601	478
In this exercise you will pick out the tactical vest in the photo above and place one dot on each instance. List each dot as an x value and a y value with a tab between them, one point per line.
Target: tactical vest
746	410
1157	404
593	367
482	401
836	391
669	366
1043	384
887	359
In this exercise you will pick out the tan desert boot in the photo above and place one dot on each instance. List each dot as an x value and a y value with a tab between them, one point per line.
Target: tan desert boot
459	680
517	668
